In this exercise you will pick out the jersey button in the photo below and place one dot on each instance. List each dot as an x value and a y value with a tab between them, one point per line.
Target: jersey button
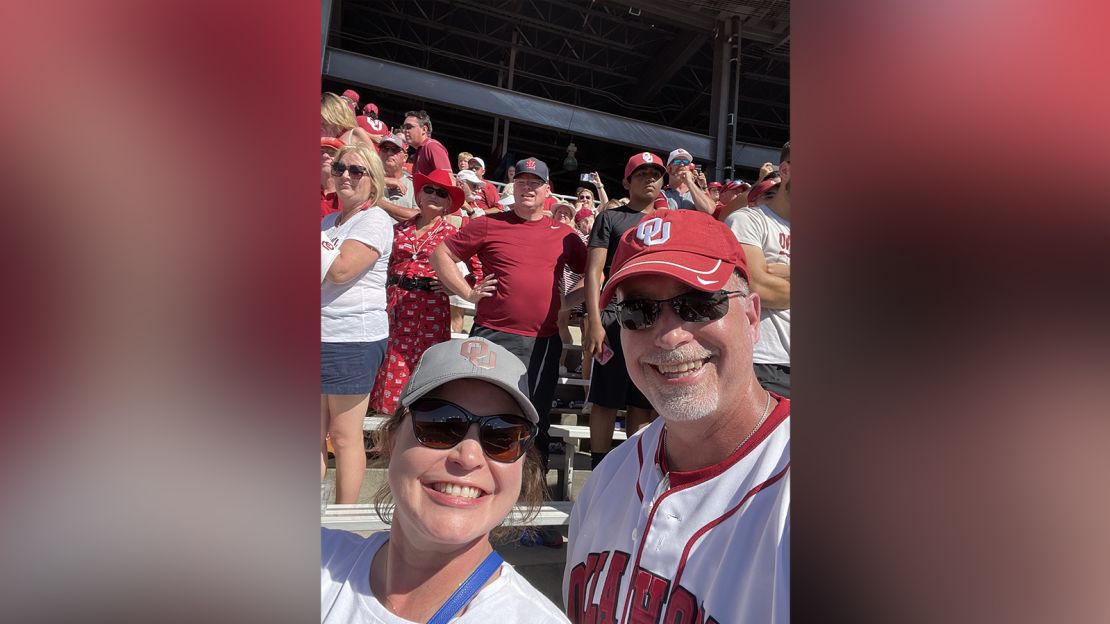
635	534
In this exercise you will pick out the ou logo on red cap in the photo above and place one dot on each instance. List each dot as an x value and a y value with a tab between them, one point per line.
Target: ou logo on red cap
647	157
653	231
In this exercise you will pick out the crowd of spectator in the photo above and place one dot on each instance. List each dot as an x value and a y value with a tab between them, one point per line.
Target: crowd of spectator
412	241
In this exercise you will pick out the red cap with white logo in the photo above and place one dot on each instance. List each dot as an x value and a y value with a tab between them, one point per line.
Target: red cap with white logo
643	159
688	245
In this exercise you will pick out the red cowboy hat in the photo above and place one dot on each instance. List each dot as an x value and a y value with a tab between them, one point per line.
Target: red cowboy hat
440	178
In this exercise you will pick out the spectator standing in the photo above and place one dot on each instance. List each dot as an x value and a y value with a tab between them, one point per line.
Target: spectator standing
338	121
400	199
507	190
368	121
329	201
430	153
689	520
523	254
419	315
682	190
611	388
353	321
488	190
764	234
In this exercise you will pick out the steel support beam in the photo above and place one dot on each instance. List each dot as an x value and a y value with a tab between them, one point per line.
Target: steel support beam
719	98
431	86
325	23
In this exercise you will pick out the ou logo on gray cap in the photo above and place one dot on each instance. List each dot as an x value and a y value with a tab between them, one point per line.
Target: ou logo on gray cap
653	231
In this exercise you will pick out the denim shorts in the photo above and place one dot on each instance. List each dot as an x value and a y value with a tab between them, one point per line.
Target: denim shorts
350	367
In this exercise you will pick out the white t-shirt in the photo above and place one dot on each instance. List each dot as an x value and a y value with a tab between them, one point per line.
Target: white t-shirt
761	227
406	199
345	594
355	311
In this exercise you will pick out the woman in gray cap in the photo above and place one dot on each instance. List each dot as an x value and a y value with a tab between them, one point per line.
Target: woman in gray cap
460	455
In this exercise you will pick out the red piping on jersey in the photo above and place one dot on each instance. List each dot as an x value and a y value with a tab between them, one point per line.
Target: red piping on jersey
725	516
782	410
640	457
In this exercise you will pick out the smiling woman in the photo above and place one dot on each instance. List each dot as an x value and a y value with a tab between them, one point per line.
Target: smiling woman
459	455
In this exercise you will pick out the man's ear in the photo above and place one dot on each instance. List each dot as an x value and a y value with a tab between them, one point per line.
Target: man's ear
624	183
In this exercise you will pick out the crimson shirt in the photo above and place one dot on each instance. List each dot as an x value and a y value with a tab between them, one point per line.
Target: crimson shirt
527	257
431	156
372	126
329	203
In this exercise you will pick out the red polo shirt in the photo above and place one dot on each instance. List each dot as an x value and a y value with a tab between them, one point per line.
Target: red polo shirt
431	156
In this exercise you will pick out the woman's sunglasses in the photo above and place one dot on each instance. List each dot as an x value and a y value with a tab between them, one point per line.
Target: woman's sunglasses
337	169
435	190
440	424
695	306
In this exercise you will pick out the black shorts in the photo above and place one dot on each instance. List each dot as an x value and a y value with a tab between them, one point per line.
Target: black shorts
610	385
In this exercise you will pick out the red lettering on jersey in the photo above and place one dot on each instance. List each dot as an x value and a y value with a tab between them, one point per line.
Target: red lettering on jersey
610	591
682	608
649	592
784	243
579	599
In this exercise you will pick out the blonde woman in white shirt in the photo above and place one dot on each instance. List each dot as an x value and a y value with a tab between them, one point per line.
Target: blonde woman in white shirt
354	328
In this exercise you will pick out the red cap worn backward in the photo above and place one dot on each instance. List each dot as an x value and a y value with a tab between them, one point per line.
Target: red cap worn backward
351	93
641	160
687	245
370	107
583	213
440	178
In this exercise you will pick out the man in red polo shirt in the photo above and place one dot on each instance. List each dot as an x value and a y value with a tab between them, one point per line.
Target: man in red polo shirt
430	153
523	254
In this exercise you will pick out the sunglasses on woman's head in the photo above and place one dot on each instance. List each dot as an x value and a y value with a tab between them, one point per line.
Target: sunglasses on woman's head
695	306
435	190
440	424
337	169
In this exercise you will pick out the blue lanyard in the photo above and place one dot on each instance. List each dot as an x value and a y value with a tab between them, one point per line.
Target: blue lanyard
468	589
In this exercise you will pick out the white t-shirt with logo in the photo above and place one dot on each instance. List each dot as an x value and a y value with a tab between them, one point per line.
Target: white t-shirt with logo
355	311
345	594
761	227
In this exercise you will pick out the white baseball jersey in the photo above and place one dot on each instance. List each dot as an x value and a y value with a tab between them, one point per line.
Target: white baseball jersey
762	227
711	545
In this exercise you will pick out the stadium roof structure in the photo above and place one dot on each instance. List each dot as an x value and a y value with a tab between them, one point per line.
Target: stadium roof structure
626	72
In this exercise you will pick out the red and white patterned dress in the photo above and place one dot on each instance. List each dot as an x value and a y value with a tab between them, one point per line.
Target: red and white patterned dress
418	319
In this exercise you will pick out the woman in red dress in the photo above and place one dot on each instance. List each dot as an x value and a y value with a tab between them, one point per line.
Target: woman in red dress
419	309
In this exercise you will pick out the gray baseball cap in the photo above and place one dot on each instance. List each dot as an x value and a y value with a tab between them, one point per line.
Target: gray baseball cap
472	358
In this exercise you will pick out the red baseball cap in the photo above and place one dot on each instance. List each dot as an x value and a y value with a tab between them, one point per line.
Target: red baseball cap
351	93
370	107
736	185
442	179
331	143
715	185
583	213
643	159
761	188
687	245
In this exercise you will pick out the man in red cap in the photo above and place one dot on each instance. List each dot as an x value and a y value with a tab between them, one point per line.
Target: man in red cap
329	201
690	519
523	254
764	232
430	153
610	387
368	121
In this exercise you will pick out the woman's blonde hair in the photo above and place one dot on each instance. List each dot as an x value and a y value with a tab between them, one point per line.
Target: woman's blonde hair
335	116
533	488
373	163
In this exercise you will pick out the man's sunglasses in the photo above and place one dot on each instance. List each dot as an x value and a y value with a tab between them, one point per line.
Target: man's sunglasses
695	306
337	169
435	190
439	424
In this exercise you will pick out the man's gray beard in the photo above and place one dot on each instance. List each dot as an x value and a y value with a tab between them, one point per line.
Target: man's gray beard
686	406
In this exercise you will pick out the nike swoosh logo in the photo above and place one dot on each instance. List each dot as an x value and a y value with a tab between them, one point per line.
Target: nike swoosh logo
706	282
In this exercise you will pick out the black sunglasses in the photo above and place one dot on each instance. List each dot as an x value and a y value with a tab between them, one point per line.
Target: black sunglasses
695	306
435	190
337	169
439	424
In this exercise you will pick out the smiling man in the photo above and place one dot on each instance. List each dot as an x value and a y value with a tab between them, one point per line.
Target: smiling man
689	520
